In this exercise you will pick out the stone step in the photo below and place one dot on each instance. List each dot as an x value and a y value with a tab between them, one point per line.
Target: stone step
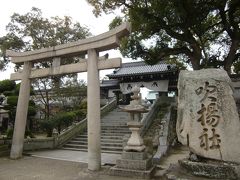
109	126
102	140
114	131
3	147
112	137
4	153
114	134
113	124
114	127
118	111
103	137
110	144
114	121
116	116
115	148
85	150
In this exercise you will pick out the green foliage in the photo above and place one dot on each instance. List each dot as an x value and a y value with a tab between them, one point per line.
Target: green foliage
8	93
236	67
32	111
28	134
7	42
10	133
47	125
12	101
163	108
202	33
59	121
83	105
180	65
7	85
17	89
115	22
80	114
63	119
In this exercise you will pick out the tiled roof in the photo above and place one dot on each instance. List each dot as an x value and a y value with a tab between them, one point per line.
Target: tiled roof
141	68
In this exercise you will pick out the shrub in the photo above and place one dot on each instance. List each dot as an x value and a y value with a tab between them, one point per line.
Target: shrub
7	85
32	111
29	134
83	105
12	100
80	114
63	119
163	108
48	126
8	93
10	133
31	103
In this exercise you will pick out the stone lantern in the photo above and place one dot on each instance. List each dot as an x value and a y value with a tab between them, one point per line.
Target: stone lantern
134	160
135	142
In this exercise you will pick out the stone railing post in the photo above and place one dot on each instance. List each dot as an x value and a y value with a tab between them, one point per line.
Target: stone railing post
55	137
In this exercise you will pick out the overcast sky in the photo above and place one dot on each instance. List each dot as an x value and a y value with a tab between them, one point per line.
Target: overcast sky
79	10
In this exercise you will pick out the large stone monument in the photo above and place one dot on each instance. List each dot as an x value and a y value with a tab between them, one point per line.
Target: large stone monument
134	161
208	120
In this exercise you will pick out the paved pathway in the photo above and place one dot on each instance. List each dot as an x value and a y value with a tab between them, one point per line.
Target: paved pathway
74	156
72	165
34	168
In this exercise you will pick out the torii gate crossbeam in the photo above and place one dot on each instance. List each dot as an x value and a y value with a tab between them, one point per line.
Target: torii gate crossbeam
91	46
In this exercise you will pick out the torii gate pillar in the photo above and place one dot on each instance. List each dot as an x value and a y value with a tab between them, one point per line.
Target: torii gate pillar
21	113
93	112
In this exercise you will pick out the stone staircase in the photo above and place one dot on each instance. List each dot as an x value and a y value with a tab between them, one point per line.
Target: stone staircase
113	129
4	150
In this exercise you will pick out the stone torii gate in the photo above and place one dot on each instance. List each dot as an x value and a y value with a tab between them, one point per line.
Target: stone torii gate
91	46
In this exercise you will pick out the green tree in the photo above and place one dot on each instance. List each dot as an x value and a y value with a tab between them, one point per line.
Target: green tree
203	33
7	85
71	94
11	91
32	31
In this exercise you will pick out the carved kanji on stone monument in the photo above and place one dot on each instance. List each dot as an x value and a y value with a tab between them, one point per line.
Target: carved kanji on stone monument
209	117
208	120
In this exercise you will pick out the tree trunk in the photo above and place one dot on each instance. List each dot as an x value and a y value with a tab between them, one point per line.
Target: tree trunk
47	106
231	55
195	56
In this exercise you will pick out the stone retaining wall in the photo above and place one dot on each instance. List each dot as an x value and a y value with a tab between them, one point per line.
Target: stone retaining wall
167	133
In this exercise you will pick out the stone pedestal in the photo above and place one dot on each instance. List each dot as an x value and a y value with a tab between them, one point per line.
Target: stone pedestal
135	142
133	164
212	169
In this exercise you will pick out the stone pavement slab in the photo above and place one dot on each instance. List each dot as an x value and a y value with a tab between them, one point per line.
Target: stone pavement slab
74	156
34	168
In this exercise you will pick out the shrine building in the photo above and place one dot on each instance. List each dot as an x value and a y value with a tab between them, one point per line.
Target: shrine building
161	78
